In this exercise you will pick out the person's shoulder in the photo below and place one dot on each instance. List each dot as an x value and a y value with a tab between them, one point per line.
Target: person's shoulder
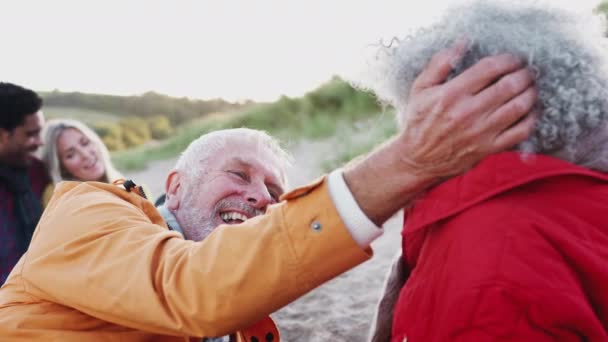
81	195
38	175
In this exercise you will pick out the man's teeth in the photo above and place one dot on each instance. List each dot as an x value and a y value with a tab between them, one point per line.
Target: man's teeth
231	216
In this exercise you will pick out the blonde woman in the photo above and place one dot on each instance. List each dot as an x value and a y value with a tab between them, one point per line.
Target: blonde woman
73	152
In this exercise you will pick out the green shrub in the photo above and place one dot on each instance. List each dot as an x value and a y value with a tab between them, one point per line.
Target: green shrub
113	143
135	131
110	134
160	127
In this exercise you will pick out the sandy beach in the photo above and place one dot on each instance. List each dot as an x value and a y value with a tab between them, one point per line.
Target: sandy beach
340	310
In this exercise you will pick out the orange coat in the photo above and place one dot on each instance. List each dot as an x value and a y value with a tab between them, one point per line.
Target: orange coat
103	266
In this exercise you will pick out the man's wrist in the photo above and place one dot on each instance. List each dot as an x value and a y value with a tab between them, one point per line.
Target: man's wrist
410	176
362	229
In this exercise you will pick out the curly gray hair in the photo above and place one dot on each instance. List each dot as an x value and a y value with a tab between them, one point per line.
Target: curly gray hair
566	51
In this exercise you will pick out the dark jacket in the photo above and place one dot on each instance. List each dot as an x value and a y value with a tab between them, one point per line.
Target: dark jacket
18	221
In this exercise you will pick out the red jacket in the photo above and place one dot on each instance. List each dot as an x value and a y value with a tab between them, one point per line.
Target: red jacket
511	251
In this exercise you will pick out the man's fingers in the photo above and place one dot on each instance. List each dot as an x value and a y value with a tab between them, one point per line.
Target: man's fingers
512	111
506	89
440	66
515	134
485	72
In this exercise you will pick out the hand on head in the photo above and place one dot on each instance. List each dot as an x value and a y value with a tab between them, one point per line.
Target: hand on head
450	125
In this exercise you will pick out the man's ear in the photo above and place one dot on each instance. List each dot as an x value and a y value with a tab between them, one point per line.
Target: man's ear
4	135
173	190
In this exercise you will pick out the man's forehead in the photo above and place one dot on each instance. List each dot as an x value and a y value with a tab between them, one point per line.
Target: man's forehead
267	164
260	159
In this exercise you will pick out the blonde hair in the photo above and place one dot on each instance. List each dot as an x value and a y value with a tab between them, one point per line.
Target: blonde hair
50	155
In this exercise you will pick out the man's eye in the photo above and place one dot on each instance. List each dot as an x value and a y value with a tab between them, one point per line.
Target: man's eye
239	174
274	196
274	192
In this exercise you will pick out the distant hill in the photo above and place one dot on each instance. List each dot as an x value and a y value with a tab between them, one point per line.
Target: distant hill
150	104
88	116
127	124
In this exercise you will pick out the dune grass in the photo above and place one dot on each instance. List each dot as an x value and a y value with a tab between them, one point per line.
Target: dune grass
318	114
318	126
139	157
359	138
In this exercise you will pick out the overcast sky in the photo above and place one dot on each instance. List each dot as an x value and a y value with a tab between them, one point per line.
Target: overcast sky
257	49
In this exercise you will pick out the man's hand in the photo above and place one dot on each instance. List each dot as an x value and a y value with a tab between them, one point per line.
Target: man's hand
448	127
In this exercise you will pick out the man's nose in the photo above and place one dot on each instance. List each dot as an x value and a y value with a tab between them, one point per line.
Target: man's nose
258	196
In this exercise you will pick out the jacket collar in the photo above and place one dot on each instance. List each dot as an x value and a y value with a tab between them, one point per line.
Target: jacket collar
492	176
170	219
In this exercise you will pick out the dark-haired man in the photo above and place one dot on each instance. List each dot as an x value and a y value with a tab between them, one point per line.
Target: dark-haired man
22	176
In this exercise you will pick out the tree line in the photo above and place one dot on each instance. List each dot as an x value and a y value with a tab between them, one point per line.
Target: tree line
150	104
142	118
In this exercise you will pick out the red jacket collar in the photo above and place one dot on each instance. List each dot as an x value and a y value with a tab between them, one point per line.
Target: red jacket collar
492	176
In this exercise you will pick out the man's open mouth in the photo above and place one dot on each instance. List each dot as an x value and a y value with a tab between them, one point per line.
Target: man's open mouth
233	217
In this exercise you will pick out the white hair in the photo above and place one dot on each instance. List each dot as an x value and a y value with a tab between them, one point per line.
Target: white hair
566	50
50	156
192	160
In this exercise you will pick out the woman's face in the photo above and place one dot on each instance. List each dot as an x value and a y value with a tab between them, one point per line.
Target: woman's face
79	156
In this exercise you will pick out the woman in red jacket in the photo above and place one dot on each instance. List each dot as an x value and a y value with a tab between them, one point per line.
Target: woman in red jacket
517	248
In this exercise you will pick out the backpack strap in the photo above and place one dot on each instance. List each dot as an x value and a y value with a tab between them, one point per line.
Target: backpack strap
130	186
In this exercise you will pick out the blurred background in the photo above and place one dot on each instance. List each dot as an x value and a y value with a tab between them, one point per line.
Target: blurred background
150	76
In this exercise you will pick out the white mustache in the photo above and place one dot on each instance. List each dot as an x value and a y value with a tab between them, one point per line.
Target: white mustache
239	205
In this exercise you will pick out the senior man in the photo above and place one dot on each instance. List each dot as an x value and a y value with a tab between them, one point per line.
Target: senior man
103	265
516	249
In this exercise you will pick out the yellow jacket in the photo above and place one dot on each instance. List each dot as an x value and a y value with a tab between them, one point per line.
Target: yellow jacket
103	266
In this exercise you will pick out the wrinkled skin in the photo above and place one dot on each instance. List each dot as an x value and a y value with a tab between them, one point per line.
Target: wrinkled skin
451	126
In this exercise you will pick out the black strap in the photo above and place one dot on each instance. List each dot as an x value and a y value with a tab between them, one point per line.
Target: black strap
130	186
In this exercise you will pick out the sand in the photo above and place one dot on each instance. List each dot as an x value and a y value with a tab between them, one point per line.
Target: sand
340	310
